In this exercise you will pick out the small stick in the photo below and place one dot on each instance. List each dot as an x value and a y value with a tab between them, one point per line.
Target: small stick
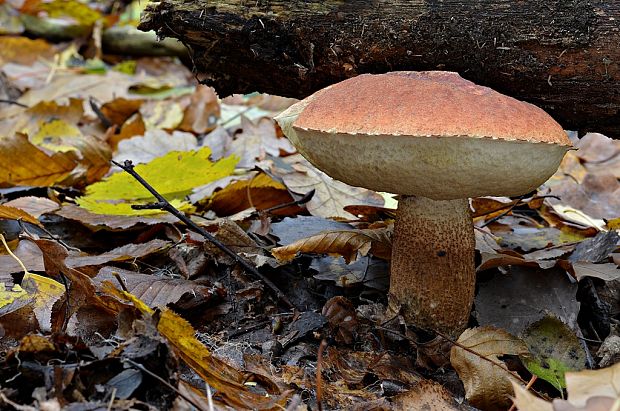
163	204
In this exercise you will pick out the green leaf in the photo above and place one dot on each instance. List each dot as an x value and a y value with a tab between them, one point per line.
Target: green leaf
173	176
555	350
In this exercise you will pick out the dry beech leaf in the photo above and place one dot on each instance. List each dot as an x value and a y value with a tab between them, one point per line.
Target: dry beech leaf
84	216
526	401
120	109
40	170
593	383
153	144
35	206
257	140
587	390
347	243
258	191
606	272
426	395
202	114
487	381
157	292
331	196
12	213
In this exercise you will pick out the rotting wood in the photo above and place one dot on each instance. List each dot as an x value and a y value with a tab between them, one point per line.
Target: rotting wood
561	55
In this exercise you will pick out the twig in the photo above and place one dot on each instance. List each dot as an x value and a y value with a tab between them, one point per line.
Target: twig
509	209
469	350
16	103
307	197
163	204
166	383
319	375
513	407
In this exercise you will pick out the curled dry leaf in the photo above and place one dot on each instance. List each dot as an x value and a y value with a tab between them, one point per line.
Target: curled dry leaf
347	243
486	379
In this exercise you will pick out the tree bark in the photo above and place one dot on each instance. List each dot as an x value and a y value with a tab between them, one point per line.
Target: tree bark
562	55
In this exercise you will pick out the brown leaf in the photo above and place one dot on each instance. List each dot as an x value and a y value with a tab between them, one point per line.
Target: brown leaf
487	381
331	196
12	213
259	191
84	216
134	126
22	50
606	272
122	253
347	243
40	169
35	206
426	395
203	112
120	109
158	292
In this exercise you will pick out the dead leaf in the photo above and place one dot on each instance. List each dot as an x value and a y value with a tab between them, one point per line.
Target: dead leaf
257	140
35	206
122	253
203	112
22	50
347	243
523	295
12	213
158	292
154	144
40	169
331	196
487	382
606	272
426	395
84	216
120	109
256	190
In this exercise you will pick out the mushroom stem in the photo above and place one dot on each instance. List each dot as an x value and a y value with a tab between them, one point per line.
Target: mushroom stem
433	275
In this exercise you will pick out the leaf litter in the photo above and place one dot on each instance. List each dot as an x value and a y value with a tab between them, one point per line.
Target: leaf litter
129	309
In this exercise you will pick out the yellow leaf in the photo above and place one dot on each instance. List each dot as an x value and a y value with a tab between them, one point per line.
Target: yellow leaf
228	381
13	299
173	176
52	135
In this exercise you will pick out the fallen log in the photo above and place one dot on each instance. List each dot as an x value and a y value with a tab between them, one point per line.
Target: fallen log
561	55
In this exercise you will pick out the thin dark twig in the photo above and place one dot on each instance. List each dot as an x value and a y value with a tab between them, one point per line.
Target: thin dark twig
16	103
469	350
307	197
494	219
107	123
450	340
166	383
164	205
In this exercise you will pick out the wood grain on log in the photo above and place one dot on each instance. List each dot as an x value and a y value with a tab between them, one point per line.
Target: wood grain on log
563	55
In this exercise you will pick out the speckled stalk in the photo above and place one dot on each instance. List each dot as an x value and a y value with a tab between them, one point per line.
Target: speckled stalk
433	275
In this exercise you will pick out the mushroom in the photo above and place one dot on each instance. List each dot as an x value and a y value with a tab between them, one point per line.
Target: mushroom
435	139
